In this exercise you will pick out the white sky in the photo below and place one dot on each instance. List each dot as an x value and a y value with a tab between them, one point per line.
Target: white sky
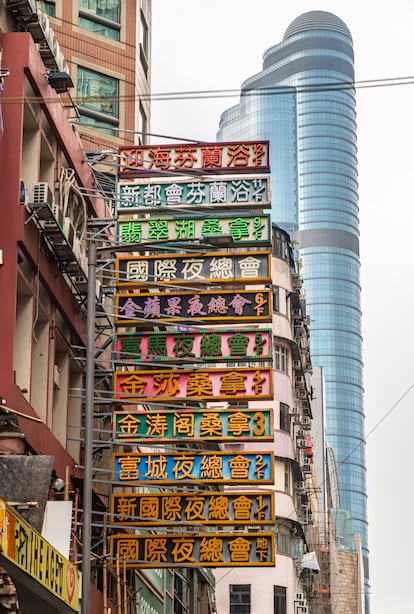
199	45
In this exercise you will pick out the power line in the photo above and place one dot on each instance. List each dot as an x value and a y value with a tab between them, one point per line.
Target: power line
279	90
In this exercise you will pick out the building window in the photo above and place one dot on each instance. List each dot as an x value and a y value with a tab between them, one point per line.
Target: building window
279	600
143	43
142	124
101	17
284	417
97	100
281	358
287	477
240	598
283	539
180	594
275	293
49	7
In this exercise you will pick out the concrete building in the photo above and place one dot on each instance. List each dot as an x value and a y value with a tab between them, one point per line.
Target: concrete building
54	201
300	523
303	101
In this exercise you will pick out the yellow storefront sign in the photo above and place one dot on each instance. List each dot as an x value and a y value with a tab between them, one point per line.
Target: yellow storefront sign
27	549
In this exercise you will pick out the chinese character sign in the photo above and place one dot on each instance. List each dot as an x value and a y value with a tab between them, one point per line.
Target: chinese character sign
192	345
194	307
193	269
201	550
203	467
215	508
245	383
217	158
193	424
222	193
246	229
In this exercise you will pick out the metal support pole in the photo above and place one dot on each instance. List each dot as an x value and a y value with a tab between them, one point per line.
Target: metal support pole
89	407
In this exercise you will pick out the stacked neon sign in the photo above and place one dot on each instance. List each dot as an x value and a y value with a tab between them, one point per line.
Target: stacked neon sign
166	404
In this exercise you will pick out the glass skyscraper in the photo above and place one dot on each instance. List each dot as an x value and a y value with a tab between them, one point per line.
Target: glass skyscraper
303	102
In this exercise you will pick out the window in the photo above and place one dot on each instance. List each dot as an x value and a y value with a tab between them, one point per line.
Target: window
281	358
101	17
49	7
143	44
283	539
142	124
275	292
98	99
279	600
287	477
179	594
284	417
240	598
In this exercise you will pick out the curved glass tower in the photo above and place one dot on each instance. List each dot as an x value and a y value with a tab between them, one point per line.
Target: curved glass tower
303	102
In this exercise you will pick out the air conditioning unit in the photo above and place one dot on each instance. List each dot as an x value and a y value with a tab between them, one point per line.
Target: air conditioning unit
301	443
302	394
56	376
300	434
306	421
42	194
299	380
68	230
300	485
303	609
293	411
297	364
24	8
299	597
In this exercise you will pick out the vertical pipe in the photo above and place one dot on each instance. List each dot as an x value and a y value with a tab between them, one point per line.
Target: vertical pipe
89	405
67	479
105	565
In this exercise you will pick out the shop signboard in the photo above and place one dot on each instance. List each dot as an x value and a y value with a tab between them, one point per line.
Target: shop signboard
244	229
194	467
183	345
199	550
188	158
179	195
241	384
194	308
187	508
30	552
191	424
193	269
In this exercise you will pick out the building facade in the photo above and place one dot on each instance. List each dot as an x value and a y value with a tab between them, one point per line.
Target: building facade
303	101
55	201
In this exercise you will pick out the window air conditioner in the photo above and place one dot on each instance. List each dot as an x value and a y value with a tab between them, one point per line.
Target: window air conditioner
25	8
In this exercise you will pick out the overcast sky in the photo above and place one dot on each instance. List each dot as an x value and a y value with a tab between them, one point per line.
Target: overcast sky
216	45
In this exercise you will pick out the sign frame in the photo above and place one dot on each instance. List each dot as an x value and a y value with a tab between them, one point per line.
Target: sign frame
215	158
164	228
214	385
241	508
187	353
193	424
244	467
169	539
161	302
152	194
188	269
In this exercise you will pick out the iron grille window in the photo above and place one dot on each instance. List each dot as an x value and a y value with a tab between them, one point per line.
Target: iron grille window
240	598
